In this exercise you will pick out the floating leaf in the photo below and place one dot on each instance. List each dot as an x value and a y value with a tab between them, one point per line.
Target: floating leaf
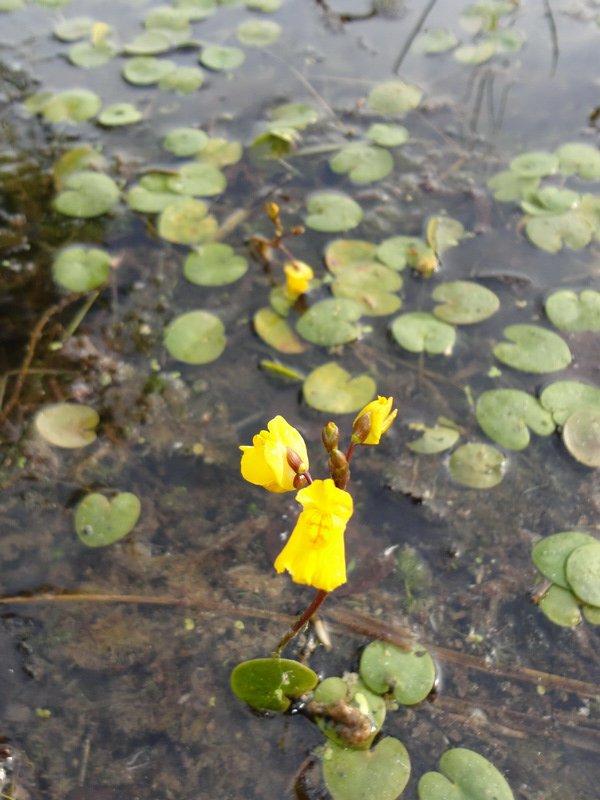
398	251
380	773
198	179
267	684
214	264
78	159
266	6
464	302
536	164
67	425
583	160
364	163
560	606
467	776
281	371
146	70
409	675
70	30
549	200
196	9
574	312
293	115
583	572
275	331
352	695
479	466
86	194
394	97
11	5
550	554
591	613
476	53
331	322
421	332
88	55
435	40
435	439
507	40
332	212
100	522
258	33
533	349
220	152
331	389
443	233
119	114
221	57
183	221
73	105
78	269
149	43
551	233
511	186
185	141
152	195
348	253
505	415
196	337
387	135
361	286
563	398
182	79
167	18
581	435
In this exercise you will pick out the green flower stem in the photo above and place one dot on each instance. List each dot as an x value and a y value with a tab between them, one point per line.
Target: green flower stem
302	620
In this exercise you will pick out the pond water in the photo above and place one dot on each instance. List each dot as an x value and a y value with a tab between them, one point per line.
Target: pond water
115	660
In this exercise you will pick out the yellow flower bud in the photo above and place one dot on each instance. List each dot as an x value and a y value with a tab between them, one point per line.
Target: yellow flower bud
315	554
369	429
275	457
298	275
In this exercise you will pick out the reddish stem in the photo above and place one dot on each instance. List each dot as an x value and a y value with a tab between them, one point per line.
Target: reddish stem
350	451
302	620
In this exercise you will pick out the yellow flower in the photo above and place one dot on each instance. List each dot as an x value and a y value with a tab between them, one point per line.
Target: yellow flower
370	429
314	553
298	275
267	461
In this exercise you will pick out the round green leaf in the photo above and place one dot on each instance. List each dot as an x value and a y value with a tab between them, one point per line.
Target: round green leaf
464	302
183	222
435	439
353	694
505	415
149	43
88	55
152	195
550	233
73	105
398	251
443	233
409	675
387	134
221	57
331	322
167	18
331	212
11	5
560	606
476	53
70	30
583	572
550	554
146	70
196	9
220	152
331	389
67	425
380	773
293	115
563	398
581	435
100	522
549	200
535	164
79	270
435	40
214	264
591	614
574	312
467	776
364	163
258	32
198	179
342	254
266	6
421	332
275	331
510	185
479	466
196	337
533	349
583	160
182	79
266	684
185	141
371	285
86	194
394	97
119	114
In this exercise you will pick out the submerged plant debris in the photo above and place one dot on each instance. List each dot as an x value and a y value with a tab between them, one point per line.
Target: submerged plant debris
438	170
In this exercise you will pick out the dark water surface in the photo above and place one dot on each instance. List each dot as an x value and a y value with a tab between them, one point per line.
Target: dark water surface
120	698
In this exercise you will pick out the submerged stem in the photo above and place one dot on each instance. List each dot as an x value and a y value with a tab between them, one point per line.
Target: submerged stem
302	620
